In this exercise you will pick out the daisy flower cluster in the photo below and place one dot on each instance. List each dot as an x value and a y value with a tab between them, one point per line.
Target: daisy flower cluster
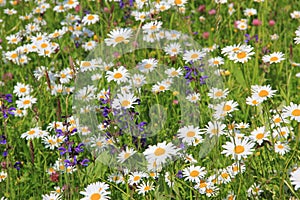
109	100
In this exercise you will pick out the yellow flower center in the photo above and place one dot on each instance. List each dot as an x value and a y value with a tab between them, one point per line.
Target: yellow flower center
118	75
224	175
90	17
230	197
86	64
190	134
147	188
282	133
125	103
235	49
174	73
210	191
296	112
159	151
280	146
227	108
194	173
22	90
26	102
277	120
153	27
126	155
119	39
14	55
235	168
44	45
178	2
254	102
203	184
274	59
31	132
136	178
95	196
148	66
194	56
239	149
216	62
99	143
260	136
214	131
51	141
263	93
241	55
218	93
162	87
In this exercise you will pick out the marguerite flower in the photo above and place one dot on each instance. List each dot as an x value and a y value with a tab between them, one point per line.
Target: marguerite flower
173	49
51	196
281	148
194	173
275	57
21	90
254	100
160	152
172	72
90	19
215	93
238	148
26	102
214	128
189	133
292	111
282	132
148	65
136	177
119	75
34	133
124	155
3	176
193	55
194	97
259	135
262	92
295	178
254	190
124	100
242	55
97	190
179	3
152	26
117	36
217	61
250	12
145	187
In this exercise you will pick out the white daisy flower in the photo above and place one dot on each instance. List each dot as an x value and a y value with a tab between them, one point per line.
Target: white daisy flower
194	173
117	36
275	57
119	75
238	148
90	19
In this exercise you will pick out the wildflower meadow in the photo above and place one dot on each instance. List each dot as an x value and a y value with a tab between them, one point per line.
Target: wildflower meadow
149	99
